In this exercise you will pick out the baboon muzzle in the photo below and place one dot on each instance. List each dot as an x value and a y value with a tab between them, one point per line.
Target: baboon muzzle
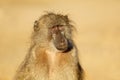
60	41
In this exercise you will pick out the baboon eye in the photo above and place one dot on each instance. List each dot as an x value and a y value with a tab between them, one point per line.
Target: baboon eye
56	28
36	27
61	27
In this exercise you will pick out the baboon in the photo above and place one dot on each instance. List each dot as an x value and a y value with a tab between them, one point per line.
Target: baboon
52	54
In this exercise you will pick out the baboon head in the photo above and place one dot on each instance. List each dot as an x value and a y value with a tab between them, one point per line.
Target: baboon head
55	28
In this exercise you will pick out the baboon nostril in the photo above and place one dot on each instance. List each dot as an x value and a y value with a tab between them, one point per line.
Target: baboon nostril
62	41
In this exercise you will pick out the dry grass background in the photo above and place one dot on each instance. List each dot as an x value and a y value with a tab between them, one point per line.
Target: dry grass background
98	33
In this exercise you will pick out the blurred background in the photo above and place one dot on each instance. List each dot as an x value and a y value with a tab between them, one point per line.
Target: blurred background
98	33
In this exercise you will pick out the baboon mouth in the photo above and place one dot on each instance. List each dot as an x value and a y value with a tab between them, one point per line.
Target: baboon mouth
64	46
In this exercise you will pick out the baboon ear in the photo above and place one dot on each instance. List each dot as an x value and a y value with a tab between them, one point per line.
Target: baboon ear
36	26
66	18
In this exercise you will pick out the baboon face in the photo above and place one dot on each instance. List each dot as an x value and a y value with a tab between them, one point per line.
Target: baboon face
56	29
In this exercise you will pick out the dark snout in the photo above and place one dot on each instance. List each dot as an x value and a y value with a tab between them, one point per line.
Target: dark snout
62	43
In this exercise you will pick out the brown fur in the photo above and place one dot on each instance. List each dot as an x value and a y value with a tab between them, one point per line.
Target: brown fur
47	59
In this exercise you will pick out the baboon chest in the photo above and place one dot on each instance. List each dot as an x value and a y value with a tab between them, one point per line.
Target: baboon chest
56	65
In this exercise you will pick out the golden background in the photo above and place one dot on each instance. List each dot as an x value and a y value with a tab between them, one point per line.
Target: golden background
98	33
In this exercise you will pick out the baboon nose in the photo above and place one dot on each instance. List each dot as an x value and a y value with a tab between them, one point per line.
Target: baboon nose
62	41
62	44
